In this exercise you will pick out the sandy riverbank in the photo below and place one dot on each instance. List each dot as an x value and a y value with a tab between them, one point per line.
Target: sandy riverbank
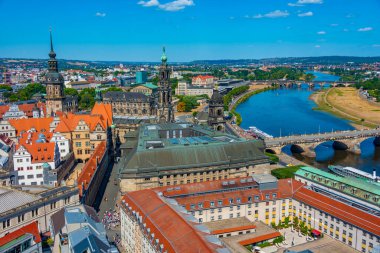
346	103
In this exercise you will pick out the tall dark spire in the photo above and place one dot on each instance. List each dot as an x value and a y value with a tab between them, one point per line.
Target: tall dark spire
53	64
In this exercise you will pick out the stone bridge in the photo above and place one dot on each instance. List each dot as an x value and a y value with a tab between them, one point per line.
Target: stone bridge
290	83
306	144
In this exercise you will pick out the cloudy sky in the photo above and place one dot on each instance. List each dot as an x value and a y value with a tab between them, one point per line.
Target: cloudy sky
135	30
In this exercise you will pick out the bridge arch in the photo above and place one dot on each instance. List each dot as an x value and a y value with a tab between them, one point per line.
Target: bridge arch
376	141
270	151
339	145
297	149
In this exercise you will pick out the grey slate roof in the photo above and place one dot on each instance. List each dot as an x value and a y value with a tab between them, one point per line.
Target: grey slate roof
10	199
154	154
119	96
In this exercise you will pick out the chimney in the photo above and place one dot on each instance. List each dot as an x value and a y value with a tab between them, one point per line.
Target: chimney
374	174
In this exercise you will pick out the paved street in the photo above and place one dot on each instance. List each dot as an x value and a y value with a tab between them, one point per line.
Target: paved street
112	195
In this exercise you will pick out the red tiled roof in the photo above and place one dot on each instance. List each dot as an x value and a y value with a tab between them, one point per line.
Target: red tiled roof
169	227
340	210
3	109
89	168
285	190
26	124
68	122
233	229
26	108
40	152
6	140
104	110
203	77
31	228
260	238
32	137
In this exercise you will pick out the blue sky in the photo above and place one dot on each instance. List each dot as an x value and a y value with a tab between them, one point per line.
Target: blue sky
134	30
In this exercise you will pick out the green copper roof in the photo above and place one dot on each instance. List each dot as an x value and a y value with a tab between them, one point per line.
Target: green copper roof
163	57
362	184
150	86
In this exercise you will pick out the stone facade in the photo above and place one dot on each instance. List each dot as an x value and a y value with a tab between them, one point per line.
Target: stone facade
129	103
216	112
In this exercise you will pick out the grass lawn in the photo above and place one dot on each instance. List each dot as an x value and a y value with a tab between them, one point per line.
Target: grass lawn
286	172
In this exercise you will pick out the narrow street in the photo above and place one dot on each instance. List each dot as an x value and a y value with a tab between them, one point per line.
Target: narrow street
110	197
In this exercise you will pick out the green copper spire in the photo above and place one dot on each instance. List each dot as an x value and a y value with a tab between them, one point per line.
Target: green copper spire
164	59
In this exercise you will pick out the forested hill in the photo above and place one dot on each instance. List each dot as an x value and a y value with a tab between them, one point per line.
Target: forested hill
292	60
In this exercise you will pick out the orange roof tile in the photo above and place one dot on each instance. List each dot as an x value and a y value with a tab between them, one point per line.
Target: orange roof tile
105	110
3	109
204	77
260	238
40	152
169	227
32	137
89	168
31	228
340	210
28	108
40	124
68	122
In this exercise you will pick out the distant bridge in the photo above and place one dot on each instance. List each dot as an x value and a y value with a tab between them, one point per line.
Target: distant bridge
306	144
290	83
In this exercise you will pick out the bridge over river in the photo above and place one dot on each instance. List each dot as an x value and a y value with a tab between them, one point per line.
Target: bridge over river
290	83
306	144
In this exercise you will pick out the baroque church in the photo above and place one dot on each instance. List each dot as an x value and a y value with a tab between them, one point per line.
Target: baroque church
55	94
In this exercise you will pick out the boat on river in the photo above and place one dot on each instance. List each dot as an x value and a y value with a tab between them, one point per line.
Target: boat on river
352	172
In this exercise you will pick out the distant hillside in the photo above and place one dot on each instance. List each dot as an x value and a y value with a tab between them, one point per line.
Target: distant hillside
324	60
79	64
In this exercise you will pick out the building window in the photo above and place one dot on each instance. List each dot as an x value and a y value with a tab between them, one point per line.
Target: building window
6	223
212	203
219	217
78	144
21	218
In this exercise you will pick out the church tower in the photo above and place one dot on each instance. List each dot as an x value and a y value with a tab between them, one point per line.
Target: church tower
165	111
54	85
216	112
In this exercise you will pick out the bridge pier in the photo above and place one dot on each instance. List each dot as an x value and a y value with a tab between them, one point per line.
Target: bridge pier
354	146
309	150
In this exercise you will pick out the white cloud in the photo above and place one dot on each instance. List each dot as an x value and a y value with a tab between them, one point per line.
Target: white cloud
100	14
346	30
175	5
365	29
295	5
334	25
306	14
317	46
310	2
376	45
149	3
321	32
231	18
273	14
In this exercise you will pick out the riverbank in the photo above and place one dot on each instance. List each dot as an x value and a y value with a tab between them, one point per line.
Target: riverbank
347	104
253	90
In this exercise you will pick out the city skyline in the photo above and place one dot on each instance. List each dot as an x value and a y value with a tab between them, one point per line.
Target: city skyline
136	30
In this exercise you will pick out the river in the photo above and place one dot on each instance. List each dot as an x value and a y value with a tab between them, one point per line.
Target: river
288	111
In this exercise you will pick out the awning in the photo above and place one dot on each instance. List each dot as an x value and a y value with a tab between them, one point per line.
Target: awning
316	232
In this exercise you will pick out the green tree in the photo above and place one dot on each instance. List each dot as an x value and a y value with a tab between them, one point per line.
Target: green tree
71	92
112	89
5	87
87	98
